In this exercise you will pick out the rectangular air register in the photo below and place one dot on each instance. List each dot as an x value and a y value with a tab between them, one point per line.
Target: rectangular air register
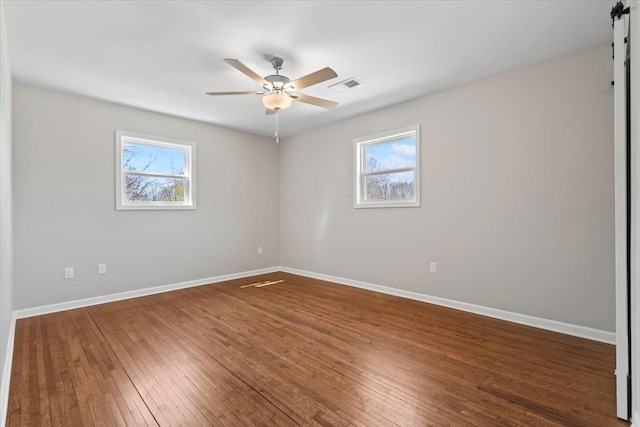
345	84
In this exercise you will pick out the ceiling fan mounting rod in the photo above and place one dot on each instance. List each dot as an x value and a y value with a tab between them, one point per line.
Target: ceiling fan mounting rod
277	63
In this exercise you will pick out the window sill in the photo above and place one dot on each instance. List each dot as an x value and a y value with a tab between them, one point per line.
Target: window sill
402	204
154	208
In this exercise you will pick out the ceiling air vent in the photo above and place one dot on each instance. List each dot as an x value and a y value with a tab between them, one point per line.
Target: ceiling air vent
345	84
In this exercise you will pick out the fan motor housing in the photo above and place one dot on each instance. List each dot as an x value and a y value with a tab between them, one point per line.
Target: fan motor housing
277	80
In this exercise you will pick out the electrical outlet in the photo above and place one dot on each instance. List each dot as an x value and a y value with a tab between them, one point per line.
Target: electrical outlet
433	268
260	250
102	268
68	272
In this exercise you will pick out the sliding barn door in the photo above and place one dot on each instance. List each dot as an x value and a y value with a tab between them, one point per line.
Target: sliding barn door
622	219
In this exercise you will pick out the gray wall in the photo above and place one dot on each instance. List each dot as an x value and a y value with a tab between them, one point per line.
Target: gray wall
517	198
6	228
65	211
517	195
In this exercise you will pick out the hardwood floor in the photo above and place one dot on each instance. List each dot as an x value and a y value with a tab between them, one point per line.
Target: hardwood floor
301	352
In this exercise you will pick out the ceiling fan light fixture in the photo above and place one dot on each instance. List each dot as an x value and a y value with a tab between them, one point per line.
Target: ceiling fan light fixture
276	101
279	91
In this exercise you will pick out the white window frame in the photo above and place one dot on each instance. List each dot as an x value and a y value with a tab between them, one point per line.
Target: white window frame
189	149
359	147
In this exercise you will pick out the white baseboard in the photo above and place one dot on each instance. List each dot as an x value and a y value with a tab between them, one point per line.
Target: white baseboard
70	305
6	372
523	319
537	322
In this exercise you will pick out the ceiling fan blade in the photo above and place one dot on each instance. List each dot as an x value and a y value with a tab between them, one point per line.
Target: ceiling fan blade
313	78
246	70
247	92
269	112
314	101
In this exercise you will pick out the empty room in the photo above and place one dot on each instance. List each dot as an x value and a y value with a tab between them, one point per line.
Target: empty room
319	213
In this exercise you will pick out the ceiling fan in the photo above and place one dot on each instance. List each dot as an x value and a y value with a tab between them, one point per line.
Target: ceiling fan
279	91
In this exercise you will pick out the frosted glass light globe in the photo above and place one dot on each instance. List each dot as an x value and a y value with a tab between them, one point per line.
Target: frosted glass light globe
276	101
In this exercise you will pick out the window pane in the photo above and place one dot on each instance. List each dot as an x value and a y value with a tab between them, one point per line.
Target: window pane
148	158
395	154
151	189
390	186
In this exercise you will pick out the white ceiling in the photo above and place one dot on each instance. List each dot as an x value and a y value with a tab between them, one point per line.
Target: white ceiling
163	56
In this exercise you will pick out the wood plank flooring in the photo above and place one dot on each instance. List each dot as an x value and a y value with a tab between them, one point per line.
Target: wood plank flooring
301	352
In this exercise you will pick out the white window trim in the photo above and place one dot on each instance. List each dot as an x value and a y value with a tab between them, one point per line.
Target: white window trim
189	175
359	166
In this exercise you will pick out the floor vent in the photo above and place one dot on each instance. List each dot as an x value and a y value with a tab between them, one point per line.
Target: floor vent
261	284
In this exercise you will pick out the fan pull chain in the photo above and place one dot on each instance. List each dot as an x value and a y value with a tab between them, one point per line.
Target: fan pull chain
277	139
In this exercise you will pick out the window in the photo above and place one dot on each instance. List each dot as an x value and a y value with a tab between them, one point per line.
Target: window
154	173
387	169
